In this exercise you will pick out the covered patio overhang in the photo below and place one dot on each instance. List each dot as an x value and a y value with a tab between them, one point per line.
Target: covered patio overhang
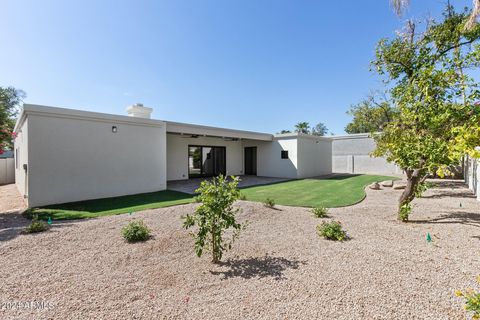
206	131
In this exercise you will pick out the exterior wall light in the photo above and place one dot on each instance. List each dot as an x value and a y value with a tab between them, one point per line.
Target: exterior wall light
114	129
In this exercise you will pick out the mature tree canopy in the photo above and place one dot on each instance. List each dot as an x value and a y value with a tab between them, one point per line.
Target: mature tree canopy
370	115
10	101
319	130
432	93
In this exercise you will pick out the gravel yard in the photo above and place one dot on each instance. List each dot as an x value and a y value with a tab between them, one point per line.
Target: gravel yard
278	269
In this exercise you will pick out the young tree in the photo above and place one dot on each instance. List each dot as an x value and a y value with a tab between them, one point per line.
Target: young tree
10	101
319	130
432	94
215	215
370	115
302	127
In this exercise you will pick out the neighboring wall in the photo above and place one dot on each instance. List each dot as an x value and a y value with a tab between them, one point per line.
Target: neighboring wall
177	154
472	175
7	171
75	156
350	154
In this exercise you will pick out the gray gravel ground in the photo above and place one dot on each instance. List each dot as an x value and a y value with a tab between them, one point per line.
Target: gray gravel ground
278	269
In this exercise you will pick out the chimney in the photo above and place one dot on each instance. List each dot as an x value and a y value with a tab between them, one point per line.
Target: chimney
139	111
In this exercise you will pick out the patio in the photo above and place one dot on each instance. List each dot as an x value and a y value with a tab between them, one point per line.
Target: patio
189	186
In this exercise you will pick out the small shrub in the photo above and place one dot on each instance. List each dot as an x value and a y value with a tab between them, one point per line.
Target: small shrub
242	197
136	231
320	212
404	212
472	300
332	231
37	226
269	203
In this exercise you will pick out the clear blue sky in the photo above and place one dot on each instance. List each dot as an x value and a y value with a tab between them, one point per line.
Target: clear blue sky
259	65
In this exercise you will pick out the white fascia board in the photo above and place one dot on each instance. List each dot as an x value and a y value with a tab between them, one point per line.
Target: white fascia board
186	128
55	112
354	136
297	135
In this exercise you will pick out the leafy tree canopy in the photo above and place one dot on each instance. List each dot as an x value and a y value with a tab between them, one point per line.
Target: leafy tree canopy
370	115
10	101
434	96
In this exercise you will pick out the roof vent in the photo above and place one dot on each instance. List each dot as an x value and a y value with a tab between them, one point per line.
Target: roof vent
139	111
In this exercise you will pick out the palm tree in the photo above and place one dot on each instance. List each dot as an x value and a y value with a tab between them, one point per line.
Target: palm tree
302	127
400	5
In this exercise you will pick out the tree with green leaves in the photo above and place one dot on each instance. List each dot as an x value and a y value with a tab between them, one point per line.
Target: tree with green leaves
433	96
285	131
10	102
370	115
319	130
302	127
214	216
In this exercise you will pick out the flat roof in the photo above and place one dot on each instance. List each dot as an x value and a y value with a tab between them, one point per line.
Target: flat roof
173	127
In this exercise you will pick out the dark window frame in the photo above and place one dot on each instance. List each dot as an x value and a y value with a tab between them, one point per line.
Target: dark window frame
201	146
284	154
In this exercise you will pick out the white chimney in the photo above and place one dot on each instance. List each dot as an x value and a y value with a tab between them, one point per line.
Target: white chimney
139	111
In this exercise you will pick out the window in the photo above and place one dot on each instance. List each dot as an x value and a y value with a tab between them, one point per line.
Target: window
284	154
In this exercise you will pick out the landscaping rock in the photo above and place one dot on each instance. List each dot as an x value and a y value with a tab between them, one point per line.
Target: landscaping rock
387	183
375	186
399	186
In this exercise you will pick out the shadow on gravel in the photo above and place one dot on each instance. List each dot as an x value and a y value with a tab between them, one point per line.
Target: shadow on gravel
448	194
466	218
258	267
11	225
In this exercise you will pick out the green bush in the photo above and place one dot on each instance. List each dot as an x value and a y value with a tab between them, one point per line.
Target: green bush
320	212
269	203
332	231
136	231
472	300
37	226
215	215
242	197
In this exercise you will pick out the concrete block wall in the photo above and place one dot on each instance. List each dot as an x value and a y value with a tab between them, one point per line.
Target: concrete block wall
7	171
472	175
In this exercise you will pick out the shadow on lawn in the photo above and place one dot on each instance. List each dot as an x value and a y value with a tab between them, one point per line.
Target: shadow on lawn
459	217
258	267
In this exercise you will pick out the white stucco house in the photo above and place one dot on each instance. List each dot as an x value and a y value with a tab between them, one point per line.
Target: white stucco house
65	155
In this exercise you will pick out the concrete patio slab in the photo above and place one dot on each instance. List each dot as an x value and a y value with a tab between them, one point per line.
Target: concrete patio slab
190	185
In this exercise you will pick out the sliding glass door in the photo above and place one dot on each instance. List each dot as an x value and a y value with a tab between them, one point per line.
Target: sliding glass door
206	161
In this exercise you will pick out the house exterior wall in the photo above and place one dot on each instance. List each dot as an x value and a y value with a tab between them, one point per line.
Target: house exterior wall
21	158
351	154
314	156
73	159
269	161
177	154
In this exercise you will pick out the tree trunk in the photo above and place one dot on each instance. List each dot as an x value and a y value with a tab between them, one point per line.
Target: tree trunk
414	177
214	248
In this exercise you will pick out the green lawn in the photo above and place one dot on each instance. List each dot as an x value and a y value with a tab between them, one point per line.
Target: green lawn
112	206
333	192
